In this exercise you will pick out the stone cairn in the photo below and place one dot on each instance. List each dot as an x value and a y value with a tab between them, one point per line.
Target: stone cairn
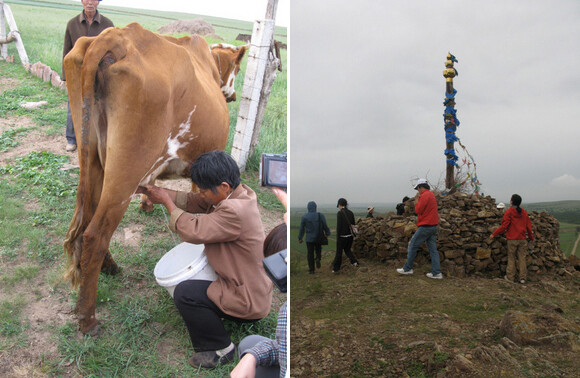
465	223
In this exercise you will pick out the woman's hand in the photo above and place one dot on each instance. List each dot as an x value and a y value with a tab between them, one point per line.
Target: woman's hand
246	368
283	198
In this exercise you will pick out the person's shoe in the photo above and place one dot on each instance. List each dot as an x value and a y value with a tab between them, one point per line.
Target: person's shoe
403	271
507	279
318	264
310	272
210	359
355	264
71	147
438	276
334	271
522	281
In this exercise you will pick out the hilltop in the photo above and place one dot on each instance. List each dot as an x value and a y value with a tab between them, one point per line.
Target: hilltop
371	321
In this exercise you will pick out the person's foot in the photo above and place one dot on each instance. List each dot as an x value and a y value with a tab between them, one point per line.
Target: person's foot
507	279
355	264
522	281
310	272
438	276
211	358
318	264
334	271
71	147
403	271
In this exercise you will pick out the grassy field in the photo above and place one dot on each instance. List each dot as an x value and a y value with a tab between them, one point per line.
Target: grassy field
142	333
568	235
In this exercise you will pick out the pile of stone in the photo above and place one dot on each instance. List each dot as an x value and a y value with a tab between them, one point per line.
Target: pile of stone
465	223
45	73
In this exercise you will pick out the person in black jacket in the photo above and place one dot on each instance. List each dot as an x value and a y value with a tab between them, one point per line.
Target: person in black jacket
344	236
401	206
311	225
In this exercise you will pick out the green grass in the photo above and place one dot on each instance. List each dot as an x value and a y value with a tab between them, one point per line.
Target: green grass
564	211
11	324
568	235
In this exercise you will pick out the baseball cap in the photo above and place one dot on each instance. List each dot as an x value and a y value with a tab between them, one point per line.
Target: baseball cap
421	181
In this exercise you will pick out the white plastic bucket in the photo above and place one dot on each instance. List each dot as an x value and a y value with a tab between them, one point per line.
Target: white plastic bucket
184	262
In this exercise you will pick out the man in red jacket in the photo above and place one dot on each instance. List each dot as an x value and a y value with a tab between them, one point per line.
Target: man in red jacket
516	223
428	222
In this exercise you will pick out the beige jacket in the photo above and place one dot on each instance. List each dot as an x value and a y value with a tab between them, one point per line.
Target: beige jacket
233	235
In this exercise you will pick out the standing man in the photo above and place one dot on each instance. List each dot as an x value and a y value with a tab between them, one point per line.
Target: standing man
89	23
427	221
313	224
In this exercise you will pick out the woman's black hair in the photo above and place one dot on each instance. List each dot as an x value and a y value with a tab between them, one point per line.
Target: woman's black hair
405	199
342	202
209	170
517	201
276	240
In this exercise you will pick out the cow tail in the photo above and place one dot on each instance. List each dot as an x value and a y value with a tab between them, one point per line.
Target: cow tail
93	81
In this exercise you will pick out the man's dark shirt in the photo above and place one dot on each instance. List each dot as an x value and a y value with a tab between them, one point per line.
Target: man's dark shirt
78	26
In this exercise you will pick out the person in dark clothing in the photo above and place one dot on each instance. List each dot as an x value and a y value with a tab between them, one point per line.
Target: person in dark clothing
89	23
344	236
401	206
311	224
370	211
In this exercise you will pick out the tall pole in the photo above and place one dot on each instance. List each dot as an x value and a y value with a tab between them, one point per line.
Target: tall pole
451	123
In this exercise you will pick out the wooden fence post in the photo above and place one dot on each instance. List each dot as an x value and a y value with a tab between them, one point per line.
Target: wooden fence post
6	14
258	82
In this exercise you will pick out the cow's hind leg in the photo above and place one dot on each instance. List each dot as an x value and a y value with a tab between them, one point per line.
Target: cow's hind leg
96	240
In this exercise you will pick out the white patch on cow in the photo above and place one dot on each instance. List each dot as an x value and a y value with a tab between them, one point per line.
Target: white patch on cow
229	89
154	171
224	45
174	144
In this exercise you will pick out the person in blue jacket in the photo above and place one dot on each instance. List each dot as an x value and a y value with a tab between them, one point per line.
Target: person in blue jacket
312	223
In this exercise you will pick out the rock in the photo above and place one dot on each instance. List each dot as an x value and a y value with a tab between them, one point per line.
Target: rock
574	261
482	253
33	105
535	329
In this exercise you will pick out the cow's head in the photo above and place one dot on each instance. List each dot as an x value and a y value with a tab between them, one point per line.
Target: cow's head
227	59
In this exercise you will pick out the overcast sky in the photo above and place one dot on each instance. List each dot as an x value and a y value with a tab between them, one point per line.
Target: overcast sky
236	9
367	90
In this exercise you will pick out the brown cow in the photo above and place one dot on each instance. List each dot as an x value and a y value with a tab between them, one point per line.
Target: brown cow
144	106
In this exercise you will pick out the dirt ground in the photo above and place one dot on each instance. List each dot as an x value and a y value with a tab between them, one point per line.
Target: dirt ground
54	310
371	321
